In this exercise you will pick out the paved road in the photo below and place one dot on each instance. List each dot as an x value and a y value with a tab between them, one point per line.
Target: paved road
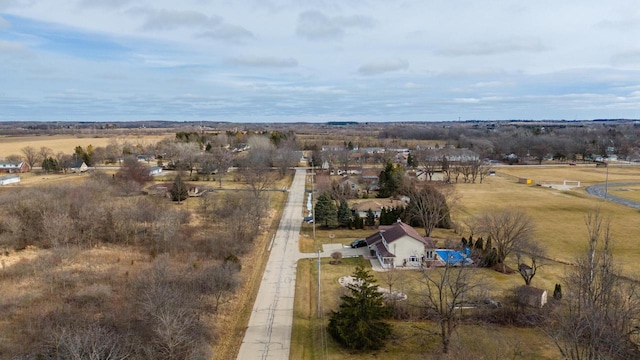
268	334
600	191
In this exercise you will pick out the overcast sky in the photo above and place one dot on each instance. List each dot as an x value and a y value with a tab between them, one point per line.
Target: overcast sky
318	60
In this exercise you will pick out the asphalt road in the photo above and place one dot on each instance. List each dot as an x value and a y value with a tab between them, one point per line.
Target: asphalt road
268	334
600	190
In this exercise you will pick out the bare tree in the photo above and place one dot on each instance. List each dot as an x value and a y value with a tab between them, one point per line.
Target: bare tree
509	230
87	342
44	152
31	155
445	290
430	204
223	159
602	315
530	257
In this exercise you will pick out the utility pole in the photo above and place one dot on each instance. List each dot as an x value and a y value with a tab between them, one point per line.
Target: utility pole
313	208
319	313
606	182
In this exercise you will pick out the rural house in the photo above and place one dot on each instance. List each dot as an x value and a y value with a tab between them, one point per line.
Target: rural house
362	208
155	170
14	167
400	245
79	167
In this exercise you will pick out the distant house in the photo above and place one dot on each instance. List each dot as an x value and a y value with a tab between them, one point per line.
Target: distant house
11	167
350	186
362	208
143	158
9	179
79	167
531	296
155	170
400	245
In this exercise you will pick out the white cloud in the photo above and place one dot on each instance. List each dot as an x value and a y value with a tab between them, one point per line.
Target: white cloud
4	24
314	25
108	4
495	47
165	20
10	48
263	61
229	33
381	67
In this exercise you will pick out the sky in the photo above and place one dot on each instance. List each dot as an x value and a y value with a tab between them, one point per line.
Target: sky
318	60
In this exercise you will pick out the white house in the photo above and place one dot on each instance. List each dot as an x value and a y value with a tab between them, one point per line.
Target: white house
9	179
79	167
400	245
155	170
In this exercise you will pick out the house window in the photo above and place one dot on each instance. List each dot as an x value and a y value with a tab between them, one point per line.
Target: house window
413	259
429	254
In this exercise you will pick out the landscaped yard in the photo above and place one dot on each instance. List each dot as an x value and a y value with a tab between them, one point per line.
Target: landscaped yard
410	339
559	217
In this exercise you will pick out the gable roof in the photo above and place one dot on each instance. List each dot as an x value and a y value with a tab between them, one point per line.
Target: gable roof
391	233
11	164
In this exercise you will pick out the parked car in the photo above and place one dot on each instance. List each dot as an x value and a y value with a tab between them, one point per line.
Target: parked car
358	243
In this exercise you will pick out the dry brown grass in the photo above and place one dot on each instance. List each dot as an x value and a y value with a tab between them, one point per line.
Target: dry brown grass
558	215
66	143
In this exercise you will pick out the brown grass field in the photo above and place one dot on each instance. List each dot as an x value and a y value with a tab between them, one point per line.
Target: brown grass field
11	145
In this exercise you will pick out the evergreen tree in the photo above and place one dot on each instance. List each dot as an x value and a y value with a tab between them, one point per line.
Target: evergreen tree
178	190
344	213
371	218
358	324
325	211
480	244
557	292
390	180
411	161
358	222
50	165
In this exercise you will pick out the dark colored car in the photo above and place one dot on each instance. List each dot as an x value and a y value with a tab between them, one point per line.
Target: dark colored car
358	243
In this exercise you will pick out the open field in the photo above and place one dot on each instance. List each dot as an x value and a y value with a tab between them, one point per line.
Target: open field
66	143
631	192
559	215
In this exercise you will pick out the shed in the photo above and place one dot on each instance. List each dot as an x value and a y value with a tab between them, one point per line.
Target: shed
531	296
9	179
525	181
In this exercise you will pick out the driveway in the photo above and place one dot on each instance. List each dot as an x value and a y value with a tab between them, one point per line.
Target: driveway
268	334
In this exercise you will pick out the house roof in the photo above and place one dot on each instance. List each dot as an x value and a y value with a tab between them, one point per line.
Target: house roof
391	233
377	205
78	164
11	164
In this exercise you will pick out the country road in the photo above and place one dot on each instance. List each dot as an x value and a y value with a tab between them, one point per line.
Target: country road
268	334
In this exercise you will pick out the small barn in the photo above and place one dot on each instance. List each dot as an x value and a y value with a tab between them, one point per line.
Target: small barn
531	296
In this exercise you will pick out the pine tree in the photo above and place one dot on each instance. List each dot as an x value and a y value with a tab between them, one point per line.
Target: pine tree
358	324
480	244
325	211
178	190
371	218
344	213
